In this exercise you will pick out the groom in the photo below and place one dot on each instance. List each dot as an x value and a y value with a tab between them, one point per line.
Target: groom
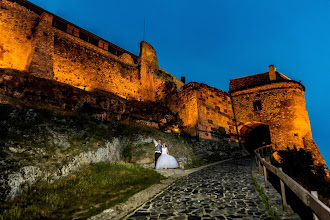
158	149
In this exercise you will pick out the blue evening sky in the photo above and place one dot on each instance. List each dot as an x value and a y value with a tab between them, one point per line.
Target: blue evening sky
213	41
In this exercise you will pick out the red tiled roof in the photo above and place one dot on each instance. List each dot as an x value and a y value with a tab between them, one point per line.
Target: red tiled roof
253	80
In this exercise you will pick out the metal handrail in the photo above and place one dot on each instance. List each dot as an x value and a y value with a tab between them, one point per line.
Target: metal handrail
319	208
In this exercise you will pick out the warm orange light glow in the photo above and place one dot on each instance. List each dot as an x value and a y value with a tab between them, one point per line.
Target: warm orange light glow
277	157
176	130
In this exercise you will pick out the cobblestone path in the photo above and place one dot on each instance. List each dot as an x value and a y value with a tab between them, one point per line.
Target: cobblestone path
222	191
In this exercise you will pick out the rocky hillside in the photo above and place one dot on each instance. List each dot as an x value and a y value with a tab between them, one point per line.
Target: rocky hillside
49	129
40	144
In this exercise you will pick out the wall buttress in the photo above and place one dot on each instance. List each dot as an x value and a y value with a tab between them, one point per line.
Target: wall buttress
41	60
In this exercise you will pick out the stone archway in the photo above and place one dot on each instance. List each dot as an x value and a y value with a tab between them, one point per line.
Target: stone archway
254	135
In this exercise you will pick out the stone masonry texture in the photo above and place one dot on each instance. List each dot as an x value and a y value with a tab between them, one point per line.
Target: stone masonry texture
283	108
222	191
33	92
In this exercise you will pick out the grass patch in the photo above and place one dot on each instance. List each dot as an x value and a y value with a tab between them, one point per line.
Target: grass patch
82	194
127	153
197	162
264	200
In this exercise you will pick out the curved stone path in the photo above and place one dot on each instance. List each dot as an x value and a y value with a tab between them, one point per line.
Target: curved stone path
222	191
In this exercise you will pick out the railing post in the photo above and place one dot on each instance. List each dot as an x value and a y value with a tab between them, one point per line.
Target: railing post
262	152
314	193
320	210
255	156
283	193
265	175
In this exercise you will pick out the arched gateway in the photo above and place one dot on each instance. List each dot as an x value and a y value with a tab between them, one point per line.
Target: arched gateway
254	135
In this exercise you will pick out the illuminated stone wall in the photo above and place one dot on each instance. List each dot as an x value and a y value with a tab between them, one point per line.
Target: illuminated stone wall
23	90
215	113
30	42
205	111
207	114
185	105
16	24
283	108
43	48
85	66
165	84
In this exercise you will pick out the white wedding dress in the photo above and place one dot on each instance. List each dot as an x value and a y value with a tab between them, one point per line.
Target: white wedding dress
166	161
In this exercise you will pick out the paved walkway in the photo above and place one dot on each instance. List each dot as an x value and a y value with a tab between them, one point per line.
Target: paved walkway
222	191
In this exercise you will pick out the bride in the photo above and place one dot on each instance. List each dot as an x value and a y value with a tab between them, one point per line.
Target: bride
165	160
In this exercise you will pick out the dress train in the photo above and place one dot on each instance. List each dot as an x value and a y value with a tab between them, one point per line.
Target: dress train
166	161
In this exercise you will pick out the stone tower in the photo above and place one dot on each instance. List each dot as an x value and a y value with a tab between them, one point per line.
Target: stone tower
270	107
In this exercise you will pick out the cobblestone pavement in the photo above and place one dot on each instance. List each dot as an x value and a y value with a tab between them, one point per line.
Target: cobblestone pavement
222	191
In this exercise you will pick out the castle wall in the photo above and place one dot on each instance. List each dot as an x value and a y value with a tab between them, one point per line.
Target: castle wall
282	106
185	105
215	113
16	25
205	111
50	47
165	84
22	89
42	47
85	66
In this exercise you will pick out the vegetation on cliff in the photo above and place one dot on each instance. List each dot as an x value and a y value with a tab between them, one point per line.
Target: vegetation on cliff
47	145
89	191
